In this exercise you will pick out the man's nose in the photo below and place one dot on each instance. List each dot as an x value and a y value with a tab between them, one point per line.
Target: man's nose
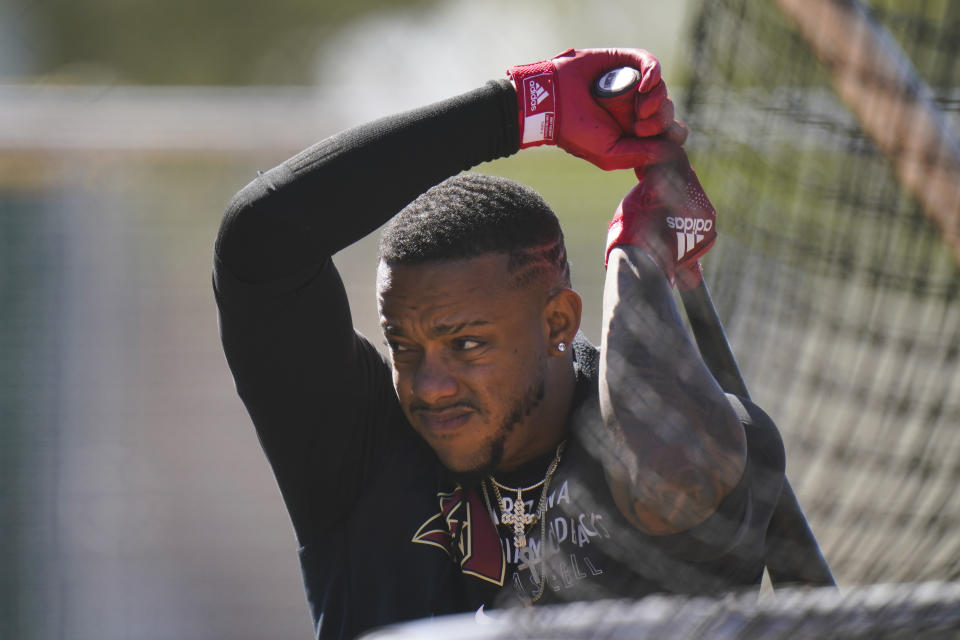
433	380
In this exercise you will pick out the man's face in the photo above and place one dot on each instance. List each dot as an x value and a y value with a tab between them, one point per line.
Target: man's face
469	358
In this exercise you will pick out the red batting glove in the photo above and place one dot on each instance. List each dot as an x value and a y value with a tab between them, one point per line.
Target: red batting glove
669	216
556	105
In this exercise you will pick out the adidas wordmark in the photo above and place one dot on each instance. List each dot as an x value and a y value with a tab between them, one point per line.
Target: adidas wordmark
695	225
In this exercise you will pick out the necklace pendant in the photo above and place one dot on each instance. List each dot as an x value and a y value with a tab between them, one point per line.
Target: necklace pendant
519	518
520	522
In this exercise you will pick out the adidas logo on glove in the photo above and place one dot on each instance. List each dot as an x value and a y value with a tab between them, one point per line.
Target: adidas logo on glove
690	232
537	95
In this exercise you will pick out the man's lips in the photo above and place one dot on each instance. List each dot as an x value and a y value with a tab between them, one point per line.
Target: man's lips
440	421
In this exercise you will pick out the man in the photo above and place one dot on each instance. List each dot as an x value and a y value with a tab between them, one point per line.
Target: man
507	461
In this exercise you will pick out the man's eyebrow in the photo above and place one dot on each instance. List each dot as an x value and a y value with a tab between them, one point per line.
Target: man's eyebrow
447	329
438	330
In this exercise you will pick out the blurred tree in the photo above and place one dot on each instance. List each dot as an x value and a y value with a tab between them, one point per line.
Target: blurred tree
187	41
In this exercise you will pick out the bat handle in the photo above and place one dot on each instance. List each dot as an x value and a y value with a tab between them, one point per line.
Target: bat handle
712	339
615	91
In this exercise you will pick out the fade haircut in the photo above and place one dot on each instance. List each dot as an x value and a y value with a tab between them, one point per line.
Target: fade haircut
474	214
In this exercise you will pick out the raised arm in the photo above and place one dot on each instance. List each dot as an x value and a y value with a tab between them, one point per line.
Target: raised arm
341	189
683	449
319	394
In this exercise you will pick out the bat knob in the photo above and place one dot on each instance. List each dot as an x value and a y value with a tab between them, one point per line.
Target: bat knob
617	82
615	90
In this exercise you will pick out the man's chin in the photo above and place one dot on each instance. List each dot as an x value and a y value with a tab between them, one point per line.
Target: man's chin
468	479
467	472
470	473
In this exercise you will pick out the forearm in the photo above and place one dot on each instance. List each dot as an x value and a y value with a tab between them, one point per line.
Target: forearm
339	190
681	448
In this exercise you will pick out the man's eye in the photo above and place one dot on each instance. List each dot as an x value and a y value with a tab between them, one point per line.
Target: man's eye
466	344
397	347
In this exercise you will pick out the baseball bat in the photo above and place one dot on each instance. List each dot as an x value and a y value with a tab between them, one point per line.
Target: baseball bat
892	103
792	554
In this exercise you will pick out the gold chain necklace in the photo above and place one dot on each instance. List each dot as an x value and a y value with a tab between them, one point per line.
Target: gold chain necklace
519	518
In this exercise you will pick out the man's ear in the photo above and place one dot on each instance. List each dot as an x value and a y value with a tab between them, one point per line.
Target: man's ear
562	318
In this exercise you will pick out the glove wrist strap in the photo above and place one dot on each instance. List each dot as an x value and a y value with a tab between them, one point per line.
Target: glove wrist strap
536	102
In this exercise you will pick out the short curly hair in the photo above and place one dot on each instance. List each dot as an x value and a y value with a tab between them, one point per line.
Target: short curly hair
473	214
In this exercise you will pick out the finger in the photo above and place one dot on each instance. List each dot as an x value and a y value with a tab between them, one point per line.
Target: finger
657	123
647	104
629	153
668	151
677	132
650	67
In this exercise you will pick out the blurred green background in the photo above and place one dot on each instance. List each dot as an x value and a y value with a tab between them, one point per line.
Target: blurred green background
134	500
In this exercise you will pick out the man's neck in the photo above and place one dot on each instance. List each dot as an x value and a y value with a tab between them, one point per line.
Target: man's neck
554	417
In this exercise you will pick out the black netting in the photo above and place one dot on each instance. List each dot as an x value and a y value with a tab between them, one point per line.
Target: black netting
839	295
925	610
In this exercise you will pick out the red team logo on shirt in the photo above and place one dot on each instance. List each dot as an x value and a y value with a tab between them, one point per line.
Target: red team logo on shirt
478	544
